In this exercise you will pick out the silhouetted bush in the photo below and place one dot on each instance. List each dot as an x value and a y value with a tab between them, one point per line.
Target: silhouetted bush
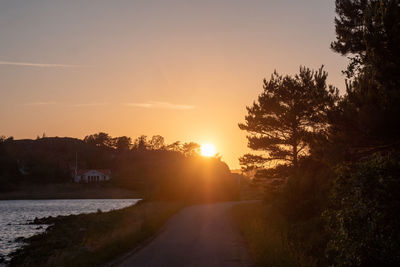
305	193
303	199
363	220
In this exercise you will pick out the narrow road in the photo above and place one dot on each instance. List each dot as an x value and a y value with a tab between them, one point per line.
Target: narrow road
200	235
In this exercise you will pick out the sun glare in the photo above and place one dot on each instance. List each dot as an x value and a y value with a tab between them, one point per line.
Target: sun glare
207	150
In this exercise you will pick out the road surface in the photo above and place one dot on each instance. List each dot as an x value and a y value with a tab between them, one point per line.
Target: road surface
200	235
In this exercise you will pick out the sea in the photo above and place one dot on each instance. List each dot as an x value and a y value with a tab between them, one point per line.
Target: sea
15	216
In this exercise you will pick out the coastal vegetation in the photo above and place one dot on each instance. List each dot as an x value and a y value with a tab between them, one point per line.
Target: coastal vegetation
96	238
330	163
266	233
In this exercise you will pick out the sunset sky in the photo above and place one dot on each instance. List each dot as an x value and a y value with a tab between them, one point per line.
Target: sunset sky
183	69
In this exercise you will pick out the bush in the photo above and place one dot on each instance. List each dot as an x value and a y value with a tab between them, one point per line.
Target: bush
363	219
303	199
266	234
305	193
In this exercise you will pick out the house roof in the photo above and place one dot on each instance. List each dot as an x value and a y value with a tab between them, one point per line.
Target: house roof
104	171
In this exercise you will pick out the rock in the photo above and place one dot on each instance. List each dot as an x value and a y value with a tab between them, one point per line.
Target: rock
19	239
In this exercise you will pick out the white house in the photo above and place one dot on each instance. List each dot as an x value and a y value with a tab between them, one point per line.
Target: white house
92	176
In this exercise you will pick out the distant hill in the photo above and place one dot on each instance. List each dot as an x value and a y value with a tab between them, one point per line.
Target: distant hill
50	159
159	173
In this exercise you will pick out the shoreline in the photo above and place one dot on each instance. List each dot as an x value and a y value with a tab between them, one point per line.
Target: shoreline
21	219
93	239
69	191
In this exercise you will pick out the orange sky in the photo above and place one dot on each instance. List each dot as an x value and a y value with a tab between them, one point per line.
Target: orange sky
183	69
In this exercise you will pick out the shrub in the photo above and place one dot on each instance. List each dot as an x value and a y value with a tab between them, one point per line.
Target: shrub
363	218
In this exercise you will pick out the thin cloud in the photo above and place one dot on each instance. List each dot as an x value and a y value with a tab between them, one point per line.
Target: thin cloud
39	65
65	104
88	104
40	104
160	105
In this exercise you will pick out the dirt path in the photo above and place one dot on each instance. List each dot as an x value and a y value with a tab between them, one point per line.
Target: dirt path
201	235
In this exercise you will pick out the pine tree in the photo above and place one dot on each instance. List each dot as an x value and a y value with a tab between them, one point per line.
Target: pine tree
368	32
289	111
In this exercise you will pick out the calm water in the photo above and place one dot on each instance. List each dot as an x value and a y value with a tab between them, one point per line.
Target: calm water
15	214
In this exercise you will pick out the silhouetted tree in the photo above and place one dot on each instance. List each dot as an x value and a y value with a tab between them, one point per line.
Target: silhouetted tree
100	139
288	112
368	32
141	143
190	149
8	166
176	146
122	143
157	142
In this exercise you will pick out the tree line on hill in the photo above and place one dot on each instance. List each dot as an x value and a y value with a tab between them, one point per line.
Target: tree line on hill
141	143
329	162
147	165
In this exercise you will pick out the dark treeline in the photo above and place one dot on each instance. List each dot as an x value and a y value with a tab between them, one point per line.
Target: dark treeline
146	165
330	163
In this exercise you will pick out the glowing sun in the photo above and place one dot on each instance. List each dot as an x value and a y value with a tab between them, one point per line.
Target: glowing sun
207	150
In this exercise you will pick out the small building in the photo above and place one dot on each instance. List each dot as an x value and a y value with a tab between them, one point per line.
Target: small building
92	176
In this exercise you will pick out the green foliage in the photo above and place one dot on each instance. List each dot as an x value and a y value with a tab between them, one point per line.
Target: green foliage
303	199
305	193
363	219
266	233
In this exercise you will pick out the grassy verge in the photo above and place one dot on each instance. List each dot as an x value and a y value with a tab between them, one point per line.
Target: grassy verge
265	231
93	239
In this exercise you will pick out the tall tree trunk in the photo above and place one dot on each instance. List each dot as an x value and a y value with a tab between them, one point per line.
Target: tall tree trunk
295	154
295	143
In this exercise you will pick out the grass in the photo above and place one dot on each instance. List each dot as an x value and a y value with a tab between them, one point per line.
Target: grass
265	231
251	192
94	239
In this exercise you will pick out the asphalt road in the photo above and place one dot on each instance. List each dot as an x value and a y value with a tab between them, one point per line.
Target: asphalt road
200	235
